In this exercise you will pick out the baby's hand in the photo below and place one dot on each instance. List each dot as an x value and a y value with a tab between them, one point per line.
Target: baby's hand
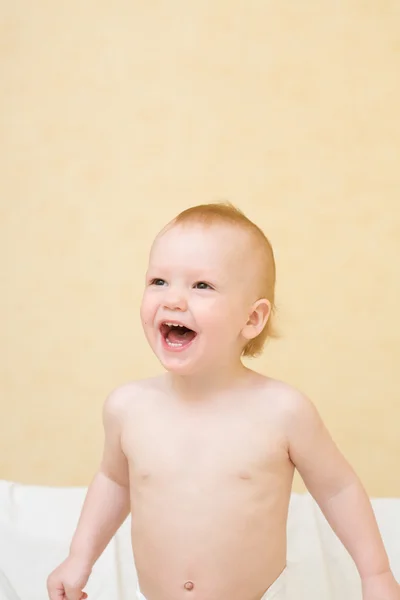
381	587
67	581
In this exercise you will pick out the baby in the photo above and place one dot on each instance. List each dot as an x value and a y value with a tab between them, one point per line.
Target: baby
203	456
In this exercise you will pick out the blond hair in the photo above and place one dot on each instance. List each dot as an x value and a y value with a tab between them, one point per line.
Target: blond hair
225	212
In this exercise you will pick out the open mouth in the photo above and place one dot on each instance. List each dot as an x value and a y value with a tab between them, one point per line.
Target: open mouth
176	335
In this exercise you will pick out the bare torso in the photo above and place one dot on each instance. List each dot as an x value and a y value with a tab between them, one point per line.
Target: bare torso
210	487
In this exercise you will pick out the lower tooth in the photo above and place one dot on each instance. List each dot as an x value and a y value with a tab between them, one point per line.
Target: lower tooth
174	345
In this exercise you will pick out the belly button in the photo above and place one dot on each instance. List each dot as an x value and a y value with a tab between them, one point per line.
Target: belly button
189	585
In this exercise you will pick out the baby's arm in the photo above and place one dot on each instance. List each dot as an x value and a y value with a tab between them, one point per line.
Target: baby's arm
105	508
339	493
107	500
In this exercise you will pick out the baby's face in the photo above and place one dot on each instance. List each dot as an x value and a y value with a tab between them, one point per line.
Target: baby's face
198	278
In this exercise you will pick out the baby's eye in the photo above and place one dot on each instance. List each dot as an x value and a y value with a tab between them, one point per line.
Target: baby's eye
202	285
157	281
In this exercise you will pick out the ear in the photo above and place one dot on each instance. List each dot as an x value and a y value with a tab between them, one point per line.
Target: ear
258	317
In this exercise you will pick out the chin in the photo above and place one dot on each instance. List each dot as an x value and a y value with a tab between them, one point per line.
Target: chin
181	365
184	368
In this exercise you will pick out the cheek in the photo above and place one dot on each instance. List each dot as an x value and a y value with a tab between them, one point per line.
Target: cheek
207	311
230	319
216	317
147	309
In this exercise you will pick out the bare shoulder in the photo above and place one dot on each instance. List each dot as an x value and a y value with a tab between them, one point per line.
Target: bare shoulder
124	397
290	402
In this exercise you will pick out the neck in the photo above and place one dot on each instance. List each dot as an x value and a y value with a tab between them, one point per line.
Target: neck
207	384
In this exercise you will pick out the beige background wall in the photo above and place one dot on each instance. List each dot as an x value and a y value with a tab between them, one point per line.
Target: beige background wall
117	115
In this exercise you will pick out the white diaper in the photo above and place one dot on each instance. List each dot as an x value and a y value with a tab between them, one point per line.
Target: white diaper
276	591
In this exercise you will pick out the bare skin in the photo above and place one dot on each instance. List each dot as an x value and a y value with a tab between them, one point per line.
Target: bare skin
209	483
209	505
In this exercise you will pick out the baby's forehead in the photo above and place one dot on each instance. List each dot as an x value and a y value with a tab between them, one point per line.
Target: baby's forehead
222	250
202	237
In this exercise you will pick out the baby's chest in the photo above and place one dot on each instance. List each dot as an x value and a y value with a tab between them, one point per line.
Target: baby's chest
240	448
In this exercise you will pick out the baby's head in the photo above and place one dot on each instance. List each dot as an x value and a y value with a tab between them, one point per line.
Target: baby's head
212	270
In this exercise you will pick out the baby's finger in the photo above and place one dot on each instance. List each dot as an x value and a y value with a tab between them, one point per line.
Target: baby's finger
73	594
56	592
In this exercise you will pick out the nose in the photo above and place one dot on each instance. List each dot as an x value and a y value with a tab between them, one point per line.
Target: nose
175	299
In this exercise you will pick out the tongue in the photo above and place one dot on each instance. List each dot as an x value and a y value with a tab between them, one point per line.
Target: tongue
181	336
